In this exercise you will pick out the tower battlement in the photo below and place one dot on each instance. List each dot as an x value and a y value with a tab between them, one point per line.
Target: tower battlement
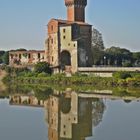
76	10
76	2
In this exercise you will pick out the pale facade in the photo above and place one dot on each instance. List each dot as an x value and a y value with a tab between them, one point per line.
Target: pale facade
25	58
68	46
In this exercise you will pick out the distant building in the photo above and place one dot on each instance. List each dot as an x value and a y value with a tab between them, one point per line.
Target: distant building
25	58
68	45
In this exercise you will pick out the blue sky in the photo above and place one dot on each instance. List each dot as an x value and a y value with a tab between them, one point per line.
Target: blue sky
23	22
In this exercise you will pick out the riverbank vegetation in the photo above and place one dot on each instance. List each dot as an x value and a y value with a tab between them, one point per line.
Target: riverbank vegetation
42	92
42	75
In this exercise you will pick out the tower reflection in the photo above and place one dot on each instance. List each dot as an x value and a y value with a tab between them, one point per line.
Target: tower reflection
71	117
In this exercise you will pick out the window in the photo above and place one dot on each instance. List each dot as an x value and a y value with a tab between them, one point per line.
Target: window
64	37
74	45
64	133
52	58
52	103
12	56
52	40
19	56
51	27
69	44
38	55
29	55
64	30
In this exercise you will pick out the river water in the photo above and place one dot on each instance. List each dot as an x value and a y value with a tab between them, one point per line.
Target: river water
38	114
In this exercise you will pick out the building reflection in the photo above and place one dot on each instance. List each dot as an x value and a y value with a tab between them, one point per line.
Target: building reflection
26	100
71	117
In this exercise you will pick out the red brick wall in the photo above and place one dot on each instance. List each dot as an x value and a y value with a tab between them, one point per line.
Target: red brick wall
52	26
70	14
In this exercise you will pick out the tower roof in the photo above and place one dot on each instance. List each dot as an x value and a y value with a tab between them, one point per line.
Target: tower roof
67	22
76	2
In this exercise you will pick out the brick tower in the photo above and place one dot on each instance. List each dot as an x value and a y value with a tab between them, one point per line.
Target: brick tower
76	10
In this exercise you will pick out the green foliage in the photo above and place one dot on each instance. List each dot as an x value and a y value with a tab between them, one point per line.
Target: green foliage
7	79
127	64
42	67
28	74
1	56
117	56
20	49
6	58
127	78
43	93
43	74
121	75
98	55
136	58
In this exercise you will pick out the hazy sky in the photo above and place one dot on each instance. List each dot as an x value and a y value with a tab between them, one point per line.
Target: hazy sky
23	22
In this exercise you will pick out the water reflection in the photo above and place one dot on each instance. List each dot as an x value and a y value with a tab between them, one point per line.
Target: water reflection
26	101
69	116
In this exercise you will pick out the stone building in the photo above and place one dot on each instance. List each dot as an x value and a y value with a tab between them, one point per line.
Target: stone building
24	58
68	45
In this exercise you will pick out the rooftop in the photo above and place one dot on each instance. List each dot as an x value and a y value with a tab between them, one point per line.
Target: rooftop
67	22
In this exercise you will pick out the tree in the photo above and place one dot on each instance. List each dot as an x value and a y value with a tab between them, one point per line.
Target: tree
119	56
1	56
21	49
97	55
136	58
97	40
97	47
6	58
41	67
98	108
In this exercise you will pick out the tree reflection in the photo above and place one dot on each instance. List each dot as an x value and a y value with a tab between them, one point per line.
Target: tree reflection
98	108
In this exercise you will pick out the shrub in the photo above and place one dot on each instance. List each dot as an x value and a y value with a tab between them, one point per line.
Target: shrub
42	67
122	75
43	74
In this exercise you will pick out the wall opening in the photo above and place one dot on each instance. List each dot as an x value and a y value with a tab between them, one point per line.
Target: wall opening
65	59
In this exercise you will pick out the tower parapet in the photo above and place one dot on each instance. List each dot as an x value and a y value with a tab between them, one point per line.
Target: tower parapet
76	10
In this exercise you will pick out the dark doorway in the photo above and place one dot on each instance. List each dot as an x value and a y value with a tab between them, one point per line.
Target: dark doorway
65	59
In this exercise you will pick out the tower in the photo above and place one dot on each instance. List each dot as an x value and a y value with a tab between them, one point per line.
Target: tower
76	10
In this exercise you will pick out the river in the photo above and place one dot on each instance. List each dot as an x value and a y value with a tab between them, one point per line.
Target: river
49	114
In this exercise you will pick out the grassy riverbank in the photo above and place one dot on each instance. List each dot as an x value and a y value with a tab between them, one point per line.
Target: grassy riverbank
25	76
81	80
